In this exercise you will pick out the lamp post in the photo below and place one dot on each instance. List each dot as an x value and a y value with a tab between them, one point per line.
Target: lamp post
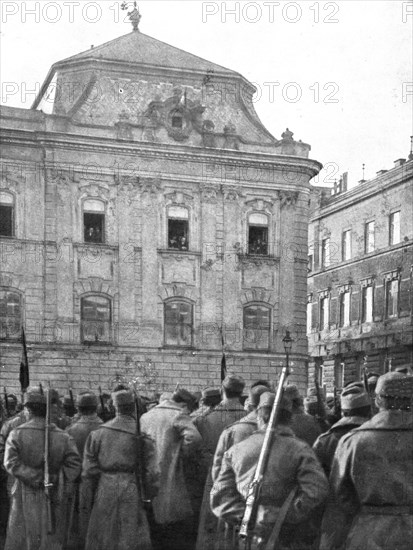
288	344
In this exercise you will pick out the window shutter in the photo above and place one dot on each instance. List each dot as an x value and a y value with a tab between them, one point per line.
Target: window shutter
379	304
405	305
334	312
355	307
314	316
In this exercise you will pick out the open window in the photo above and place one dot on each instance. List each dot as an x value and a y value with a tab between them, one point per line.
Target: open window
10	314
258	234
178	228
6	214
94	221
178	323
96	320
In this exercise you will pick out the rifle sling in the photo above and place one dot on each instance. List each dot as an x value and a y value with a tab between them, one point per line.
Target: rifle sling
280	520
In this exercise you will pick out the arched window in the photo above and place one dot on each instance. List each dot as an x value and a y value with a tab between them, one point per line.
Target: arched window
6	214
10	314
96	318
178	227
257	326
258	234
94	221
178	322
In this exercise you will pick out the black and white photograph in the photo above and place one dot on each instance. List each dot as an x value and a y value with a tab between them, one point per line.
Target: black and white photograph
206	275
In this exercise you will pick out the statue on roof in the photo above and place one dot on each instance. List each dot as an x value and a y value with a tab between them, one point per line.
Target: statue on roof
134	15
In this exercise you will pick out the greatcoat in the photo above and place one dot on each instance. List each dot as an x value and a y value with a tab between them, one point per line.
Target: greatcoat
174	435
292	465
80	505
305	427
326	444
24	459
372	484
210	427
110	461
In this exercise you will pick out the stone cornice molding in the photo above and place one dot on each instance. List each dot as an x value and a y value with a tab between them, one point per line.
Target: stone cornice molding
258	295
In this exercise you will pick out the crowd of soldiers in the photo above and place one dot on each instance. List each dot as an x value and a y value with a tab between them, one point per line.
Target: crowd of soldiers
129	473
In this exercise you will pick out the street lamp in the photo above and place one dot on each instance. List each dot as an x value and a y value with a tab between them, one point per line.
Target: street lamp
288	344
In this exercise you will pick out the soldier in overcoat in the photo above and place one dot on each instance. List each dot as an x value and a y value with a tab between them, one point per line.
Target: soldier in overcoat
210	427
111	460
292	469
24	460
175	436
355	410
79	510
372	476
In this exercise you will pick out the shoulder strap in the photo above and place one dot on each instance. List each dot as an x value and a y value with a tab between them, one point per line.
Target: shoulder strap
280	520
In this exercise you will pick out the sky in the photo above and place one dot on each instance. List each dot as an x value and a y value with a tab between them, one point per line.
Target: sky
338	74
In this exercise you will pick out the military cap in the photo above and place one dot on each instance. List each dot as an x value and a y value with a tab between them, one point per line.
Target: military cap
311	396
357	384
12	397
165	396
54	395
255	394
404	369
123	397
87	399
292	391
67	401
183	395
267	400
33	395
211	392
354	397
234	383
395	384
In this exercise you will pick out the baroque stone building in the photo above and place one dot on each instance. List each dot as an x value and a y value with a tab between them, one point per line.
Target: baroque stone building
359	303
147	214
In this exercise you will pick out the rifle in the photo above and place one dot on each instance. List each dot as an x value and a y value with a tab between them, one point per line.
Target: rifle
47	483
72	401
6	401
41	388
104	415
250	513
321	411
141	457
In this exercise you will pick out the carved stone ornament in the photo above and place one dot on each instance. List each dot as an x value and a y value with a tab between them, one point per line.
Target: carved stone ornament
100	190
209	193
151	186
124	127
177	114
259	204
231	193
208	134
288	198
231	138
177	197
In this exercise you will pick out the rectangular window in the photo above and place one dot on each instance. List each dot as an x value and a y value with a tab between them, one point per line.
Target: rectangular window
96	320
310	265
94	227
178	228
369	237
257	323
394	228
346	245
6	220
178	324
325	252
10	315
345	309
367	305
324	313
392	298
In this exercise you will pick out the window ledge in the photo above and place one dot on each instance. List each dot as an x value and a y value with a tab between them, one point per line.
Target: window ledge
96	245
176	251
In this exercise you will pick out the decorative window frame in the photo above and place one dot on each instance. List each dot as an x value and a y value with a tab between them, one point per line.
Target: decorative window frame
182	200
185	300
83	200
326	293
13	194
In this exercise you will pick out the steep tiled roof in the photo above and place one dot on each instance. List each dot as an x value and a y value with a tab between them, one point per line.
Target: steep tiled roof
137	47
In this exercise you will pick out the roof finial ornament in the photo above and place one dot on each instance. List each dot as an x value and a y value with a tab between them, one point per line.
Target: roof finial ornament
134	15
363	168
411	148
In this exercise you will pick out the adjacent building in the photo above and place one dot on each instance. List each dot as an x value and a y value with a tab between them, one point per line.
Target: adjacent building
360	263
148	216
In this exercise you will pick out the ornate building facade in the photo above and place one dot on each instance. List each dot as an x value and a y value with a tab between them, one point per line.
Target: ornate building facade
359	303
148	215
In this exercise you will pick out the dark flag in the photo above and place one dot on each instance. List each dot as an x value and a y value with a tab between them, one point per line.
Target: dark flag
24	365
223	360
